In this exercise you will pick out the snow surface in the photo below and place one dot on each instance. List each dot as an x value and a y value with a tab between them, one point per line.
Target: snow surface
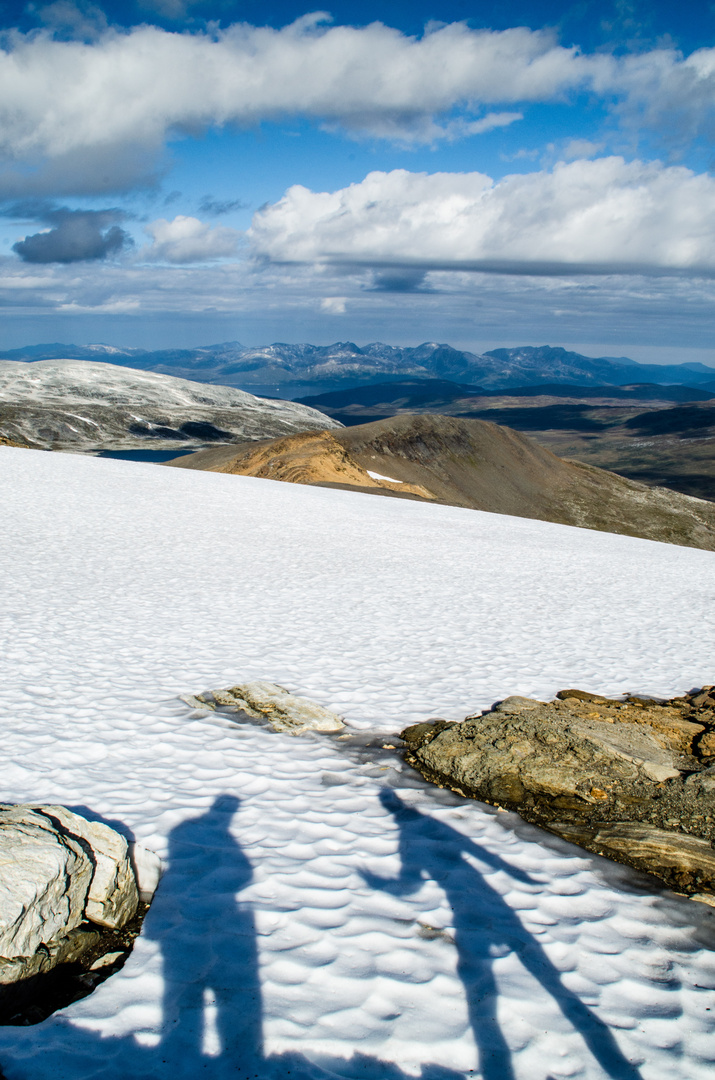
323	912
379	476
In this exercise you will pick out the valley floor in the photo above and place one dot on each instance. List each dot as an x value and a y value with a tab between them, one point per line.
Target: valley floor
323	913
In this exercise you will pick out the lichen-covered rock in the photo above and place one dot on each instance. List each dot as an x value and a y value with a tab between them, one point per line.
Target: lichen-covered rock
65	950
268	701
634	778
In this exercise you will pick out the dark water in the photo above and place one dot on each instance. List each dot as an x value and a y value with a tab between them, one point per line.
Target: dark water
145	455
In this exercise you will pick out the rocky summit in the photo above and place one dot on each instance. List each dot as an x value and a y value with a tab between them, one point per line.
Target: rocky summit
633	779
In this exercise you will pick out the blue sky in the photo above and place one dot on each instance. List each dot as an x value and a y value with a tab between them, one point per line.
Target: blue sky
175	173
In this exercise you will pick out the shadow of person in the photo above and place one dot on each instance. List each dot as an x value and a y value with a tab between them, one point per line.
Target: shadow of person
212	997
483	922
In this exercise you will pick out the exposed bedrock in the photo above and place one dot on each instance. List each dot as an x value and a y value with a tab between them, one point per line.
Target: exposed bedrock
632	779
64	880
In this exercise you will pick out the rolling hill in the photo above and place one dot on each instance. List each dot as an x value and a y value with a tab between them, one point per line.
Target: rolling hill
87	406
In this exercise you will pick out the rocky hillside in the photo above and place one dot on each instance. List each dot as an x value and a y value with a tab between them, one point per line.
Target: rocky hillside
475	464
85	406
660	435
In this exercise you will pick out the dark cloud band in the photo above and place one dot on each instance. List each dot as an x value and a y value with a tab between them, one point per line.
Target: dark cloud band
75	236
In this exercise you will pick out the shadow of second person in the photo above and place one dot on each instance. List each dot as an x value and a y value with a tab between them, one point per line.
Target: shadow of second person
483	922
212	997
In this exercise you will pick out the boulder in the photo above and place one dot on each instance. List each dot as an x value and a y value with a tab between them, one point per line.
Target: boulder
633	779
268	701
60	871
44	884
113	896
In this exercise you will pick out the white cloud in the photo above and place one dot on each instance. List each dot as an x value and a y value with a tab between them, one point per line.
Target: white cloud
60	97
600	216
333	305
95	115
188	240
662	90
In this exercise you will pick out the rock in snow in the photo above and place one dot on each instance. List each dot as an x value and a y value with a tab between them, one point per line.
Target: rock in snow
44	884
631	779
113	897
268	701
59	869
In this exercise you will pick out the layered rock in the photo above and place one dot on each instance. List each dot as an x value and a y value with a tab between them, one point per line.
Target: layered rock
63	879
44	885
633	779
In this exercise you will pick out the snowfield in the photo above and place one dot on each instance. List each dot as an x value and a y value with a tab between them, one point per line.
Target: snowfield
323	912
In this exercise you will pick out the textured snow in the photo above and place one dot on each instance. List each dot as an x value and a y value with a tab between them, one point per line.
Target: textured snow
322	912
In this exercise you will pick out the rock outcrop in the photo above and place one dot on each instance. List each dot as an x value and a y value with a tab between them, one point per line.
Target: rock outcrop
308	458
276	705
63	879
633	779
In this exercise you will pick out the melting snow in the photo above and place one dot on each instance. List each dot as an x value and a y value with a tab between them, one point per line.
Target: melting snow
379	476
323	913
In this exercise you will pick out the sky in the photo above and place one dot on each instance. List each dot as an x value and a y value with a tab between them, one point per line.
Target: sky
175	173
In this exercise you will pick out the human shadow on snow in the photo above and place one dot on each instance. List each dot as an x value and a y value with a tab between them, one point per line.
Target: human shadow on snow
483	924
212	1030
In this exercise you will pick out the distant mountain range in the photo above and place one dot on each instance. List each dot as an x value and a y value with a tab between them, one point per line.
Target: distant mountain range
292	371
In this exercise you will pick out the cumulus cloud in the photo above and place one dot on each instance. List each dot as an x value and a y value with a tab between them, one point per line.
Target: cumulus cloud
188	240
63	96
74	236
662	90
97	113
599	216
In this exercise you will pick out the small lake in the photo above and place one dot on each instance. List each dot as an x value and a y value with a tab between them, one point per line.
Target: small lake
145	455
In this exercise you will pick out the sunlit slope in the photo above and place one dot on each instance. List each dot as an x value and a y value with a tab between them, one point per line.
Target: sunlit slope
475	464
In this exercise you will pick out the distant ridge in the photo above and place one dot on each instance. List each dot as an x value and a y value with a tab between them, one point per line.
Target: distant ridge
292	371
91	406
